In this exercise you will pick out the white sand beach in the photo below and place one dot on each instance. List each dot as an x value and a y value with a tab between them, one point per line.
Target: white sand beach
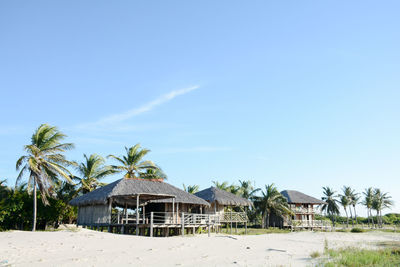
90	248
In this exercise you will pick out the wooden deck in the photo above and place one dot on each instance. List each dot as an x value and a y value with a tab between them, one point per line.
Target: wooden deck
149	223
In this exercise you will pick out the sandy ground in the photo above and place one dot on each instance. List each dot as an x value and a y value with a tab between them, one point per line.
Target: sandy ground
91	248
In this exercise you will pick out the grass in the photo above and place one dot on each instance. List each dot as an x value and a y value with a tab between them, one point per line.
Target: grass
357	230
315	254
255	231
388	254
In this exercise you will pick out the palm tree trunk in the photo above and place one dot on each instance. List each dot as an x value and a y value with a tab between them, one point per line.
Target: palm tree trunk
351	216
34	205
267	220
368	217
355	213
347	216
372	218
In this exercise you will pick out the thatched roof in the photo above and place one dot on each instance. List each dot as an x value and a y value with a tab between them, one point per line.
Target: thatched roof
298	197
124	190
214	194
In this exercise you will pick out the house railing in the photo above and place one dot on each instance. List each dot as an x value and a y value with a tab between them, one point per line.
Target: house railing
309	223
170	218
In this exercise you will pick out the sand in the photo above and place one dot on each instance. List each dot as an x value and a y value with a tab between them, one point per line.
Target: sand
91	248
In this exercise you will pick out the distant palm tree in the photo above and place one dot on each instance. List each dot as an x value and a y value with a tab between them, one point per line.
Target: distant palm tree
91	171
330	207
191	189
367	202
349	193
132	164
223	186
246	189
354	201
344	201
45	163
271	202
381	201
157	174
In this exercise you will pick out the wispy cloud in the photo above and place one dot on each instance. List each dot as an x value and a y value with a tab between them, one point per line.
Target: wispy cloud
121	117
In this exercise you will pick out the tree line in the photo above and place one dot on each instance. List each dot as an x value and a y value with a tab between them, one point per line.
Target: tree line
48	171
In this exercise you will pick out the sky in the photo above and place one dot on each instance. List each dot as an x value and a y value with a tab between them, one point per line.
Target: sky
302	94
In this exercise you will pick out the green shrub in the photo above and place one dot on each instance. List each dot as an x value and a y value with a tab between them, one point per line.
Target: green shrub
315	254
357	230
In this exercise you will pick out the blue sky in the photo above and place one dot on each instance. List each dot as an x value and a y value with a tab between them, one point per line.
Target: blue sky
302	94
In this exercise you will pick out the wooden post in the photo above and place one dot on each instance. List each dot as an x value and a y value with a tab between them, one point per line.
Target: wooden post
235	227
231	221
245	227
177	212
126	213
118	217
209	224
137	215
183	223
151	224
144	214
173	210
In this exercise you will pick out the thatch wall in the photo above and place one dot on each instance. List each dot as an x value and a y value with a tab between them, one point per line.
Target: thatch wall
95	214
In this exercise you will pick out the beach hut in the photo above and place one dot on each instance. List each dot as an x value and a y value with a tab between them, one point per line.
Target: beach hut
304	208
222	204
108	206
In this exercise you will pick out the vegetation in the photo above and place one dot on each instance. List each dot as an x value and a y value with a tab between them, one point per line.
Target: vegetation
92	170
271	202
133	166
45	163
330	207
387	255
191	189
47	171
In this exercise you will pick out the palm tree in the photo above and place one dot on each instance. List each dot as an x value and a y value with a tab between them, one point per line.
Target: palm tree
381	201
330	207
223	186
45	163
191	189
91	171
367	202
344	201
246	189
349	193
132	163
271	202
354	201
157	174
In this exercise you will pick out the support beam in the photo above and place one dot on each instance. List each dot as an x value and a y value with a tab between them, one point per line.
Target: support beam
183	223
126	212
137	215
151	224
173	210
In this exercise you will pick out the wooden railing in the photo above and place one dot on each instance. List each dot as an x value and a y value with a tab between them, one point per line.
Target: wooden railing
168	218
309	223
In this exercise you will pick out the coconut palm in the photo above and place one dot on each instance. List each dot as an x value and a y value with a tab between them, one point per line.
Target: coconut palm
354	201
191	189
381	201
367	202
223	186
344	201
132	164
246	189
45	163
330	207
349	193
156	174
91	171
271	202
